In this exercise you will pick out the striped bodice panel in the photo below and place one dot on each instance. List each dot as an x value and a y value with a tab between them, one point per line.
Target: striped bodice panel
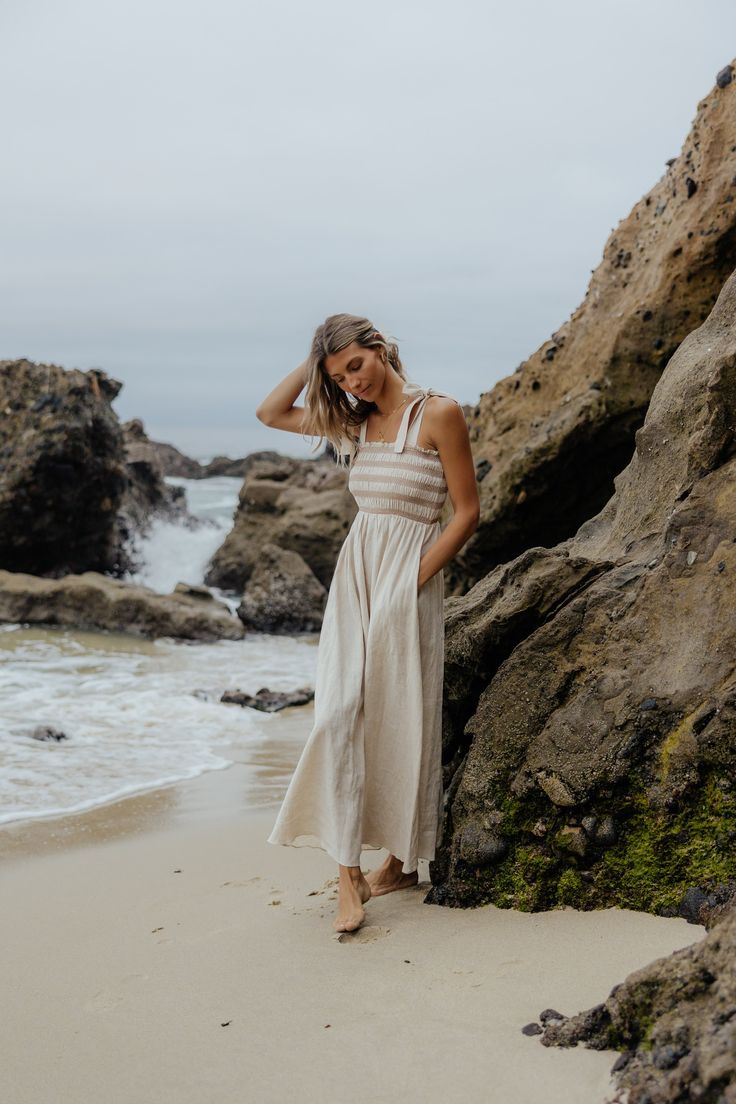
410	483
399	477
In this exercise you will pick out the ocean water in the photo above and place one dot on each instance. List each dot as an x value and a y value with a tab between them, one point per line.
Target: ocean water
136	713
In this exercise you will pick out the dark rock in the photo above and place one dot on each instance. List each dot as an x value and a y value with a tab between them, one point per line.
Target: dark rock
531	1029
725	76
268	701
63	473
480	847
45	732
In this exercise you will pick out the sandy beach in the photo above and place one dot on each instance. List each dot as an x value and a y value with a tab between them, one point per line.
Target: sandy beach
159	949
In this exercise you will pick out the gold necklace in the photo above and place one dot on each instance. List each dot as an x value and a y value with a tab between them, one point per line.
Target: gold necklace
379	415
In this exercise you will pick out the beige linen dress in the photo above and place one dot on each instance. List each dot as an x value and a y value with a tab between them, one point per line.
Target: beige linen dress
370	774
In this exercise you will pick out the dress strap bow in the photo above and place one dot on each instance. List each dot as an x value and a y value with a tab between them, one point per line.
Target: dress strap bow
418	395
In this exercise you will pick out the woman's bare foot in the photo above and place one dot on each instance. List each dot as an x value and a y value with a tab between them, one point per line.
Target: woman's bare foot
353	891
390	877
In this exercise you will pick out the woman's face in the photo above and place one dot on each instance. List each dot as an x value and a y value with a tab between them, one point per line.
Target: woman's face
357	370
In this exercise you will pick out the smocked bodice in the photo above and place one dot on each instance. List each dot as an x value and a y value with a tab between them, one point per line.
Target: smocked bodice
399	477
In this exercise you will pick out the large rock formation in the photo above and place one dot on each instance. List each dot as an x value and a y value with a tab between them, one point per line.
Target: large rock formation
549	439
62	469
591	688
674	1021
302	507
92	601
75	490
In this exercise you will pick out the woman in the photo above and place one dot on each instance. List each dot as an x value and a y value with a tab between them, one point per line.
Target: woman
370	774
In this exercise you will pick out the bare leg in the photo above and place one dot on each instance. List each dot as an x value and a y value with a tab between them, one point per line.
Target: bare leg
389	877
353	891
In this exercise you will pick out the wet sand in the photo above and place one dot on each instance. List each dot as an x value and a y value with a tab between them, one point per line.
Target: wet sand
159	949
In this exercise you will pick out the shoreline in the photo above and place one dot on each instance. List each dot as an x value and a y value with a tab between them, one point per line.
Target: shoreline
159	948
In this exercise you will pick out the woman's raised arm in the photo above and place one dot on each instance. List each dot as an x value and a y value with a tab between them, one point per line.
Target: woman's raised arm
277	409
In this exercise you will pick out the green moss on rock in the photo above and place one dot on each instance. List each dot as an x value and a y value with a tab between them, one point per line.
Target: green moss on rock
657	856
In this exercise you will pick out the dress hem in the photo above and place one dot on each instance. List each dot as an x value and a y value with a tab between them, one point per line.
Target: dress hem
301	841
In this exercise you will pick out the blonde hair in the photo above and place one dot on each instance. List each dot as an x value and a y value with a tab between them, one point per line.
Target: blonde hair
329	412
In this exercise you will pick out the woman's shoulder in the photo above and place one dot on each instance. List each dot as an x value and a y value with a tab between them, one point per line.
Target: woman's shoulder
434	394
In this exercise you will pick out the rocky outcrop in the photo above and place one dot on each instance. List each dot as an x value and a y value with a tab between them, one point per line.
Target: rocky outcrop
268	701
550	438
168	458
174	462
302	507
76	488
147	494
92	601
674	1022
62	470
283	594
590	722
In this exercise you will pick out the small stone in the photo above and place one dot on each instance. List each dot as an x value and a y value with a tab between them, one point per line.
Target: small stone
665	1057
724	77
550	1014
531	1029
556	790
572	839
480	847
622	1061
648	703
45	732
605	832
691	903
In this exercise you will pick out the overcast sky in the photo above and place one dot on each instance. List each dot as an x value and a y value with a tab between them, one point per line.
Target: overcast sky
189	188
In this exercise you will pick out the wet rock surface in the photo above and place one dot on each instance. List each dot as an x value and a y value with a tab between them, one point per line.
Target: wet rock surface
268	701
94	601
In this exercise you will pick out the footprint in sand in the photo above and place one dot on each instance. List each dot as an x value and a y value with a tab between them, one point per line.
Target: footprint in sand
106	1001
248	881
324	887
363	934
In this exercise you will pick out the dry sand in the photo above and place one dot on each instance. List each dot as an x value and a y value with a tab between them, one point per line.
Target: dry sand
160	950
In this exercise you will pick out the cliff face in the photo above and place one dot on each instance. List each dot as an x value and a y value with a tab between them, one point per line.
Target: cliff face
549	439
590	738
